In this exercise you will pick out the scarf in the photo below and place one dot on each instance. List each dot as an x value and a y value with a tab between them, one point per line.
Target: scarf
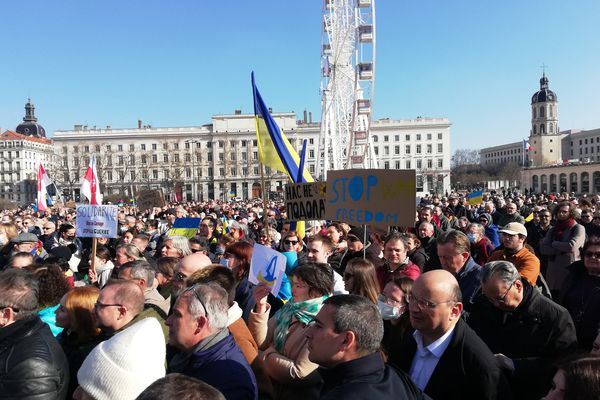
304	311
561	226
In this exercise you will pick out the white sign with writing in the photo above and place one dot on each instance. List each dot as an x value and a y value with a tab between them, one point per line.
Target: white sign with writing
267	267
97	221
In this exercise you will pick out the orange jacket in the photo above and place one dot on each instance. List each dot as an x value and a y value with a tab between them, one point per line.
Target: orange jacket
526	262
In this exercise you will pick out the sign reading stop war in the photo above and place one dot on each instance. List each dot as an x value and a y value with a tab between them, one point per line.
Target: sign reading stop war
305	201
97	221
379	197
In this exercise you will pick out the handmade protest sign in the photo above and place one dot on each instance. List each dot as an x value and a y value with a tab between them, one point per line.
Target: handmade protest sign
97	221
377	197
305	201
267	267
147	199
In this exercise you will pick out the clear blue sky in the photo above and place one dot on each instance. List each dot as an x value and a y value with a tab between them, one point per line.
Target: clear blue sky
176	63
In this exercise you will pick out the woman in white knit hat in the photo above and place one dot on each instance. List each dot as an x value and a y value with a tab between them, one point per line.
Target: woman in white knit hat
121	367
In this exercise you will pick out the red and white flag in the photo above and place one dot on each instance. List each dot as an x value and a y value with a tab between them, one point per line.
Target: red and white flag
90	187
43	181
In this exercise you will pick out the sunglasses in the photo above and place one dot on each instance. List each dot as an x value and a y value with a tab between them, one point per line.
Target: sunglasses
592	254
288	242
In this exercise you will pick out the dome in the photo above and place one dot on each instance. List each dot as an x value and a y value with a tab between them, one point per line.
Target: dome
30	126
544	94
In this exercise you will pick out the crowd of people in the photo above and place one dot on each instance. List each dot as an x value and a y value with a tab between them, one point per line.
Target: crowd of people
496	300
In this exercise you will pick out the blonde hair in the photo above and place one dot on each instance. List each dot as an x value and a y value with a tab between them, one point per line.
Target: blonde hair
10	229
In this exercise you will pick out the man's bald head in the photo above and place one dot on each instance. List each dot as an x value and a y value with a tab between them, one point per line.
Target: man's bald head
187	266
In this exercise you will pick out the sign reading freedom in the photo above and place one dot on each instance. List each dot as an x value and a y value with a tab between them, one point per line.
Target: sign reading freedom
305	201
378	197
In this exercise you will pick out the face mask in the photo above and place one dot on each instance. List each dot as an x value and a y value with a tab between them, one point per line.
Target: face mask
3	240
471	237
223	262
388	312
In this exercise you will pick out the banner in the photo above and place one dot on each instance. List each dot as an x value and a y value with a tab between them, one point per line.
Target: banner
377	197
305	201
187	227
97	221
147	199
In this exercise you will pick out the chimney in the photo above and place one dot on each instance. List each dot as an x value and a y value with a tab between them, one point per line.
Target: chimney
310	117
238	111
305	120
139	124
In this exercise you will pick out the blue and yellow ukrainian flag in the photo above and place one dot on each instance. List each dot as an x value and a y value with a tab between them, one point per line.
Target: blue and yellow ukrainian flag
475	198
187	227
274	148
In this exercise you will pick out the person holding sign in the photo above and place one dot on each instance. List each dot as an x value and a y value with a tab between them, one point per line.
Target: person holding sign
282	338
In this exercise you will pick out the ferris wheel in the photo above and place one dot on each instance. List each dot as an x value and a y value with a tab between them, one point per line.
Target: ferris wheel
347	85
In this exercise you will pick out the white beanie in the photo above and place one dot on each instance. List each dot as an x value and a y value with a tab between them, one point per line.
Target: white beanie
121	367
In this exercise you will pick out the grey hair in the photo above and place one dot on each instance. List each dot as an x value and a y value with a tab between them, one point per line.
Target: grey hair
19	290
141	269
212	296
503	270
357	314
480	229
131	251
239	226
181	243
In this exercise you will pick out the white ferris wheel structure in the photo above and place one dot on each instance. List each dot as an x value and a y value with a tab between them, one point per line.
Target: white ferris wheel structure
347	85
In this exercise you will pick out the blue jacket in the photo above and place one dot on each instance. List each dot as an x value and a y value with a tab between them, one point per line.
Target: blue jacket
223	366
469	281
48	316
491	231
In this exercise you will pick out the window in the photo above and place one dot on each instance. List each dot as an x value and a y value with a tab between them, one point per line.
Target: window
407	137
407	149
396	150
221	144
310	141
97	147
232	156
376	150
386	138
397	138
210	171
430	163
418	136
198	157
407	164
418	149
165	146
440	148
397	164
176	146
429	149
311	153
386	150
166	173
439	136
132	175
245	171
154	146
233	171
154	174
255	170
209	145
75	150
209	157
122	175
131	147
221	171
188	173
419	164
440	163
176	158
221	157
188	157
429	136
166	157
109	176
386	165
87	148
245	156
131	159
187	145
143	146
154	159
121	160
255	155
375	139
244	143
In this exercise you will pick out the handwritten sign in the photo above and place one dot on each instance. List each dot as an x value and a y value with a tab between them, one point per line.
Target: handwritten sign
97	221
267	267
305	201
377	197
147	199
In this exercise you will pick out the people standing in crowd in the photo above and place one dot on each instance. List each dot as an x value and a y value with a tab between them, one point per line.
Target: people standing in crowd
525	330
338	237
481	246
536	232
578	379
103	268
179	386
33	363
393	307
491	229
444	357
142	273
319	249
52	286
427	238
175	246
561	245
396	262
345	341
206	349
165	271
282	337
510	215
415	252
80	334
186	267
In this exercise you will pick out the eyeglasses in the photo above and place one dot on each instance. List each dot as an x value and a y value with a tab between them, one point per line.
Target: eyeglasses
592	254
292	242
46	228
503	297
387	300
193	290
424	304
102	305
179	277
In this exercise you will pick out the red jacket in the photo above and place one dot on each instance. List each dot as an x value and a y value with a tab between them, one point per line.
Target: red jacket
384	274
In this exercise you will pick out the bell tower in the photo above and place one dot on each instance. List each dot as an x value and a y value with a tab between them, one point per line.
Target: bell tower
544	137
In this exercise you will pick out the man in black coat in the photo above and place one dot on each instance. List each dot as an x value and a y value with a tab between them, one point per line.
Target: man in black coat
525	330
444	357
32	363
345	341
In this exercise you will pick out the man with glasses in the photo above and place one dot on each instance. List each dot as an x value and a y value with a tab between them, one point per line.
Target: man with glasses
514	250
186	267
33	362
444	357
207	351
48	229
117	307
526	331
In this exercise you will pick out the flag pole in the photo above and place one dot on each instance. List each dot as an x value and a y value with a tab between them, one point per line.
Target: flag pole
264	196
93	256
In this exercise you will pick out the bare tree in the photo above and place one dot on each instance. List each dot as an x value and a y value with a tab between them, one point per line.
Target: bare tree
464	157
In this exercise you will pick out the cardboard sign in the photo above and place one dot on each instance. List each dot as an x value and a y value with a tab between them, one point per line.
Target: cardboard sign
305	201
377	197
147	199
97	221
267	267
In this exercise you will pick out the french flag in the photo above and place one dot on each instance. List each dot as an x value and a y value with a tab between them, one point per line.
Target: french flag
526	145
90	187
43	181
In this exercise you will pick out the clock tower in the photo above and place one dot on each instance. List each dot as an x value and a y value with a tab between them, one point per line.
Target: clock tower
544	137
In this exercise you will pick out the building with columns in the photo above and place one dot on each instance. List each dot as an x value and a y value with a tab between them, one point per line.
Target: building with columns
556	160
220	159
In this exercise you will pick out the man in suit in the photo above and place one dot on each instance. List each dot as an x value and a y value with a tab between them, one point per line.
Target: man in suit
444	357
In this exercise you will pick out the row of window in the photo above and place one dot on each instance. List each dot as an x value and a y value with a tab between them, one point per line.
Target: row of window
418	136
504	153
408	149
